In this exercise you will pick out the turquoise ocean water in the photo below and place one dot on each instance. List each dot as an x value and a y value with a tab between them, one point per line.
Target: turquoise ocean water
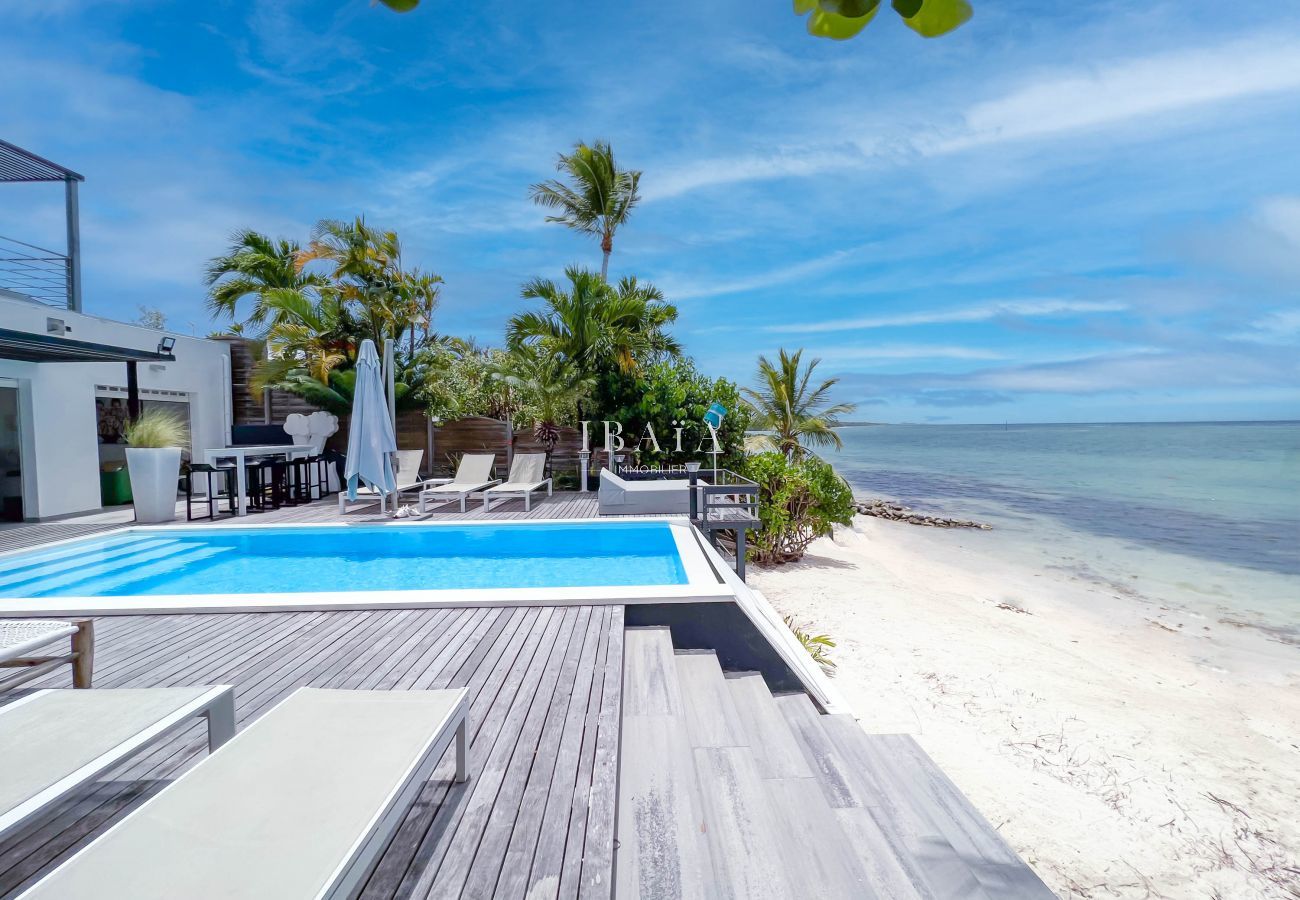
1187	503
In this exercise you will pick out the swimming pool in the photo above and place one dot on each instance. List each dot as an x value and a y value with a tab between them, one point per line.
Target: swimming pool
584	556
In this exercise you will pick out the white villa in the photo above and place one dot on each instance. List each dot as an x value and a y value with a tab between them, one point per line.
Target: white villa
67	377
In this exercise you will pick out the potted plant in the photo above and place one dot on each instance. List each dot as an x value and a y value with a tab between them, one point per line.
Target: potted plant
153	459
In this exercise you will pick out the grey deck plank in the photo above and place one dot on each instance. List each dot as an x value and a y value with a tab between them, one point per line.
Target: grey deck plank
543	878
918	843
423	837
554	764
741	827
775	750
662	852
711	717
579	807
267	655
833	772
650	674
531	765
453	859
903	767
598	848
815	847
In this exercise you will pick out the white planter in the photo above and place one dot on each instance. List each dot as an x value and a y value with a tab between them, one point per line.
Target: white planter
155	472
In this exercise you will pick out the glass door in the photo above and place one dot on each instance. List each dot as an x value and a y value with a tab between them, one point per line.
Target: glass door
11	449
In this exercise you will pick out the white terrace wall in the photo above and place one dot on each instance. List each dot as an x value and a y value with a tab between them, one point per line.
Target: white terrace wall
60	448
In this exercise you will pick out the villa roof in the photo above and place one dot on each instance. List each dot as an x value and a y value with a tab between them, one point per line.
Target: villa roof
17	164
41	348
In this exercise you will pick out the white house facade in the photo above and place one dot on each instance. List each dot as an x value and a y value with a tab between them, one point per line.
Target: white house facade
60	417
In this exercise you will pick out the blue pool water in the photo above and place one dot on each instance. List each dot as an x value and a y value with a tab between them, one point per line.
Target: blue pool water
375	558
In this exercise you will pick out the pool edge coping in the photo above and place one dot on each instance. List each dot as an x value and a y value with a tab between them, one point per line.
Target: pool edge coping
703	584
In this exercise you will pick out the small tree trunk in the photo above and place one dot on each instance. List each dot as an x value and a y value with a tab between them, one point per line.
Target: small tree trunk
606	247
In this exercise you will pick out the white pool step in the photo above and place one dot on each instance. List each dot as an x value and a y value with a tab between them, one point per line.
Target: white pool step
74	561
117	579
109	575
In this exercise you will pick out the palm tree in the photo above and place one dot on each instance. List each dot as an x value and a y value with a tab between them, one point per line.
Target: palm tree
592	326
545	388
308	337
797	414
367	273
420	293
598	199
253	266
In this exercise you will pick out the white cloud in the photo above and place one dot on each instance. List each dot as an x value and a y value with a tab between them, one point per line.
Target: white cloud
1133	91
1281	327
981	313
681	290
781	162
886	352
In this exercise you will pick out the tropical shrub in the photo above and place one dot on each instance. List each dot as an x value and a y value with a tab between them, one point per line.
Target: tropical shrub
156	428
667	394
819	646
799	501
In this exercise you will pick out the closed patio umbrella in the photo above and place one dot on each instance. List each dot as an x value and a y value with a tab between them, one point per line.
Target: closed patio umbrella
371	442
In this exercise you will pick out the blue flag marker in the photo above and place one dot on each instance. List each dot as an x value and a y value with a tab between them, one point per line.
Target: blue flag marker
715	414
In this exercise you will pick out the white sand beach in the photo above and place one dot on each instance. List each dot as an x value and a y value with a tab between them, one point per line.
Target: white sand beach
1124	747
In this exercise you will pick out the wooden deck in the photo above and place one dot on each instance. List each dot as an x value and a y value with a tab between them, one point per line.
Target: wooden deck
536	818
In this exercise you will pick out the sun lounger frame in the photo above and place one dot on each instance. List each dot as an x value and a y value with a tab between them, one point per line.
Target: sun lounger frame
217	705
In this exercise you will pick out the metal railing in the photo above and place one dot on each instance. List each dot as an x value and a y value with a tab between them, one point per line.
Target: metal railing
722	500
35	273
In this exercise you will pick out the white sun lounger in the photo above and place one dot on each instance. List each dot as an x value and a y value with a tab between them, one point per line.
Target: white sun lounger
526	471
299	805
407	473
20	638
53	742
474	474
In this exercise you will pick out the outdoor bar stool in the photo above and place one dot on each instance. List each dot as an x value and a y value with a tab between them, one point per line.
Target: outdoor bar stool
263	491
298	480
212	476
320	474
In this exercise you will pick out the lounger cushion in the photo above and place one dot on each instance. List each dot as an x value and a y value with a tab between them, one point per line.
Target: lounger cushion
528	468
276	813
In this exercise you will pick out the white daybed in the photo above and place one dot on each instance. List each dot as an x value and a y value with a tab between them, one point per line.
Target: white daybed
617	497
526	475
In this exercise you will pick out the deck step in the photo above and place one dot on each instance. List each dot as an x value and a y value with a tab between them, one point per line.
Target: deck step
662	852
711	717
742	828
775	749
917	788
727	791
904	858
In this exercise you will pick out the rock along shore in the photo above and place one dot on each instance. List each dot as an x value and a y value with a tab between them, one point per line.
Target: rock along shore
897	512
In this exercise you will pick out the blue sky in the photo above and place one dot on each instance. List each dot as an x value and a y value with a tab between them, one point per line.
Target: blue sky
1062	212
